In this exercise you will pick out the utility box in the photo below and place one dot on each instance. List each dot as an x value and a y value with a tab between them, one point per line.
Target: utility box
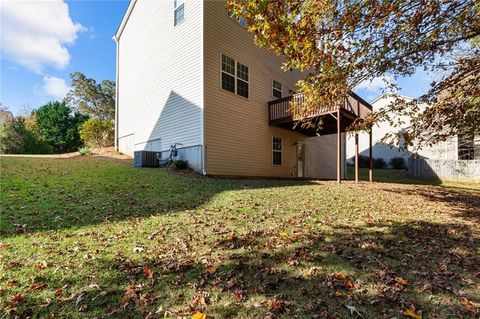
146	159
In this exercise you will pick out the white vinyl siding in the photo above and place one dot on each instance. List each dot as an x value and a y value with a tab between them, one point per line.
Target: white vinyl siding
160	78
178	11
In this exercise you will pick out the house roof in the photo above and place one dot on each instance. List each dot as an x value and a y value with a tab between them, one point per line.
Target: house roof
384	95
117	35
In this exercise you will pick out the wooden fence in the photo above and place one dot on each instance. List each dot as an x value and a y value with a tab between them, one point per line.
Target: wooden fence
455	170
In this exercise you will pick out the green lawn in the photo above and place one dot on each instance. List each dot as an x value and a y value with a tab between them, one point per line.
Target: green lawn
87	237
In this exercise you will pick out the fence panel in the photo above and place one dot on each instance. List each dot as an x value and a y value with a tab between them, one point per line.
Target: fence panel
456	170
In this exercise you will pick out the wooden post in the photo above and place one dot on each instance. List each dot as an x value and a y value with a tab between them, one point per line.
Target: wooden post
356	157
370	155
339	148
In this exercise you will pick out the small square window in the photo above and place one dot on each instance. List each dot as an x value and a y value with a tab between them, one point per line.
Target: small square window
179	12
277	89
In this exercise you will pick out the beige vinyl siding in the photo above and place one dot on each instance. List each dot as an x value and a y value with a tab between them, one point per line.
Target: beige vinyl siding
237	135
160	77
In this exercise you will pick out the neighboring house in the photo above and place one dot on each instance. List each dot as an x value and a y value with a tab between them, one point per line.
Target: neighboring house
189	73
453	148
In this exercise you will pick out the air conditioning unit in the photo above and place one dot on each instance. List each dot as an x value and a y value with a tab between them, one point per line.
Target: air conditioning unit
146	159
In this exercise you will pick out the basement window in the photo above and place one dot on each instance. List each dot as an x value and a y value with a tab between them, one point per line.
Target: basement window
235	76
277	89
277	150
179	11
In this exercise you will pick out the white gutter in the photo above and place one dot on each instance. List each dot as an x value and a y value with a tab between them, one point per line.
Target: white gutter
125	19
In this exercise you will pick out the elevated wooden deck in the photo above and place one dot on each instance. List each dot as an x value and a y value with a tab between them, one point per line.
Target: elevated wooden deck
280	114
334	120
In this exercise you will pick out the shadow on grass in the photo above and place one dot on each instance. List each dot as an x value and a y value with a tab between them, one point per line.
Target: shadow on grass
381	269
59	194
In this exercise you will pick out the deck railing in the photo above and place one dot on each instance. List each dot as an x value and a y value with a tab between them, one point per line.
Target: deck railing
280	110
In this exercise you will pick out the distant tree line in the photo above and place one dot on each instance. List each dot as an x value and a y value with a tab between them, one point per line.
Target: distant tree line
85	117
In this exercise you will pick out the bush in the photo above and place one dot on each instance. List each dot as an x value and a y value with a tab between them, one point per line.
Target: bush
98	132
20	135
177	164
364	162
85	150
397	163
379	163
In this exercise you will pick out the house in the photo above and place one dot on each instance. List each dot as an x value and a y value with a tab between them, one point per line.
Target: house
453	148
188	73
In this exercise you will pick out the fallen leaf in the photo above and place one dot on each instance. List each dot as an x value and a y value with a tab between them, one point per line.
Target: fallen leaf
38	287
138	249
275	306
412	314
401	281
41	265
199	315
340	275
147	270
4	246
349	284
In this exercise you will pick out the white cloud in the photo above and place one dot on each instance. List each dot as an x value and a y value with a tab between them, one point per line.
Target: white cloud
376	84
55	87
35	33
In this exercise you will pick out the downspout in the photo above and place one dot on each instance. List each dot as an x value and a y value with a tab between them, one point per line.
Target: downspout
202	87
117	44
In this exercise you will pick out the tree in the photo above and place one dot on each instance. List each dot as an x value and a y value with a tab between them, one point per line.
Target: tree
342	43
90	98
59	126
21	135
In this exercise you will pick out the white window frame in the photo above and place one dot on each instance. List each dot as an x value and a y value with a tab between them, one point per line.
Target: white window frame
275	89
178	5
236	77
277	151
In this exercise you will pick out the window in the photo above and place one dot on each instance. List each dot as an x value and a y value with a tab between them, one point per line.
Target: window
235	76
277	150
179	11
466	147
277	89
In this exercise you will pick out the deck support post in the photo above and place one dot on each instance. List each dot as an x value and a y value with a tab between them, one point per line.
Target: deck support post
370	155
339	148
356	157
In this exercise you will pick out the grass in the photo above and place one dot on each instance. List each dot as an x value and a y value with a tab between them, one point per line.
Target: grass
86	237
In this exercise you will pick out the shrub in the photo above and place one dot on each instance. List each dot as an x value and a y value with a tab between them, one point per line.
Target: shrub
20	135
397	163
364	162
97	132
85	150
177	164
379	163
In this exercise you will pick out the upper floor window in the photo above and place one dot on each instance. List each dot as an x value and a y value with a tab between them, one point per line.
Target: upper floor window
235	76
277	89
179	11
277	150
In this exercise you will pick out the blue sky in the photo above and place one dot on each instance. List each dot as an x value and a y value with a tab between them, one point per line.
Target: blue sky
92	52
44	41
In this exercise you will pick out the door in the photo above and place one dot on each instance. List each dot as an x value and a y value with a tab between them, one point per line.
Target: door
300	159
